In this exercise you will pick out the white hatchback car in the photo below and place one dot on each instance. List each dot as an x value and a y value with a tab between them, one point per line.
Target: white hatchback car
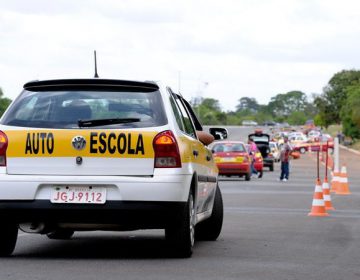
98	154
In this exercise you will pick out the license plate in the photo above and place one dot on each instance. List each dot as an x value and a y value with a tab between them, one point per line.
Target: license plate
229	159
78	194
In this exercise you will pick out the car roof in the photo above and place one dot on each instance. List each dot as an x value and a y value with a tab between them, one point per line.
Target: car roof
90	84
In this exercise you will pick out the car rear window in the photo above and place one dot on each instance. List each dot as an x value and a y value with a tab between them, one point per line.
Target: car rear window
260	138
63	109
229	147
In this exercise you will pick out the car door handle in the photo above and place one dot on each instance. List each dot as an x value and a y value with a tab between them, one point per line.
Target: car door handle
195	153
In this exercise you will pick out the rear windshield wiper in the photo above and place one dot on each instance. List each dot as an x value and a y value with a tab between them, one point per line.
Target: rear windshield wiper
100	122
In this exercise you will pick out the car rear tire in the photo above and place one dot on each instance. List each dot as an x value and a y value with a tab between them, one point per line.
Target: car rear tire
181	233
247	176
271	167
302	150
260	174
8	238
60	234
210	229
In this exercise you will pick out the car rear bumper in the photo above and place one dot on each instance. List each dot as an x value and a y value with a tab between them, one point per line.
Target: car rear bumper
165	187
125	214
233	168
268	162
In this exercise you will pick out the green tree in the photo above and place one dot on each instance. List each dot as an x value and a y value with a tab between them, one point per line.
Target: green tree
297	118
247	103
264	114
233	118
335	95
284	104
350	114
4	102
211	104
325	116
209	111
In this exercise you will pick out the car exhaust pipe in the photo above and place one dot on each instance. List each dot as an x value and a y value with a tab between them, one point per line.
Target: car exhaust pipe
34	227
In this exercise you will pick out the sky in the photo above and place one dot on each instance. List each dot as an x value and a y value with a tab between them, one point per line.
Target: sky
203	48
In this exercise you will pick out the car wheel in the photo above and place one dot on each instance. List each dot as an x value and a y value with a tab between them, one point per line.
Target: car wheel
271	167
302	150
181	234
247	176
210	229
260	174
8	238
60	234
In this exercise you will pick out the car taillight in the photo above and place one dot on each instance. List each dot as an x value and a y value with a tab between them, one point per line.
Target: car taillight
3	147
166	150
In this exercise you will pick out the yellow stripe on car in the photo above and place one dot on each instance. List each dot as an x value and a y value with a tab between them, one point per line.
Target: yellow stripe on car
98	143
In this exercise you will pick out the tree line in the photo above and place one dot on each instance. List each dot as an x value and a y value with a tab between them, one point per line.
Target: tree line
4	102
292	107
339	103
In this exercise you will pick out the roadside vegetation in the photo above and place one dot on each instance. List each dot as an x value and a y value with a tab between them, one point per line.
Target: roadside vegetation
335	110
4	102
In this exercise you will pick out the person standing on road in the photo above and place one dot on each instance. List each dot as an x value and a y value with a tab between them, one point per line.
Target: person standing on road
252	153
285	153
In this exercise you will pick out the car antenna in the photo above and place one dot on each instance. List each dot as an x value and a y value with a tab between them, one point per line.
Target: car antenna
96	74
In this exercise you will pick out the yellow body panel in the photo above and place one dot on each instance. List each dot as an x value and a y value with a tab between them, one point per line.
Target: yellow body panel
99	143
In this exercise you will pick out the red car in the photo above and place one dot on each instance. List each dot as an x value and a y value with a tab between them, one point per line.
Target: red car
232	158
317	145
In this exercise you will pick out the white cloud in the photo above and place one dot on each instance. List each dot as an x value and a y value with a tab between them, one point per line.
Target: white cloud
241	48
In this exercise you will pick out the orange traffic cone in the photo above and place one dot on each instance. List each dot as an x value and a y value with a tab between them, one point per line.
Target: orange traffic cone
318	204
326	195
335	181
343	182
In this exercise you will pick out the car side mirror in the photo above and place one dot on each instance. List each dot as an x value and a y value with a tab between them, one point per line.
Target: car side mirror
219	133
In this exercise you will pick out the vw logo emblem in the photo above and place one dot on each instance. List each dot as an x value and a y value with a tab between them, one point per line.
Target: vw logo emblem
78	143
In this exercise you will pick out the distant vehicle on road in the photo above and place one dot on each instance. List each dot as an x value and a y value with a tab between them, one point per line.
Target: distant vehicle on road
249	123
297	138
262	141
232	158
269	123
309	125
313	134
314	146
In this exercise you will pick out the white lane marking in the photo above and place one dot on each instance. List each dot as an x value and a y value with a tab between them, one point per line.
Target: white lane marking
22	234
288	211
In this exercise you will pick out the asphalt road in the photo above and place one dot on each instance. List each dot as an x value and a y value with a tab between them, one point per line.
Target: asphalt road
266	235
